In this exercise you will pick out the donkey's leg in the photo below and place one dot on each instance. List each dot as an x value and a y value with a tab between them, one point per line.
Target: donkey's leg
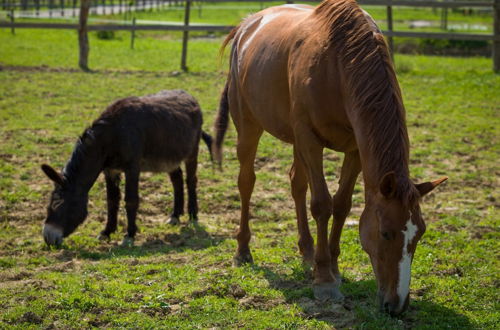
191	181
131	203
298	180
342	204
310	151
178	184
248	140
113	199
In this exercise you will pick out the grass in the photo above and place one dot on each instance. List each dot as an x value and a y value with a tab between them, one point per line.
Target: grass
181	277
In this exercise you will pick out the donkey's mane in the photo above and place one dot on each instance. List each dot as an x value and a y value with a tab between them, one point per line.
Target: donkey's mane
78	155
373	88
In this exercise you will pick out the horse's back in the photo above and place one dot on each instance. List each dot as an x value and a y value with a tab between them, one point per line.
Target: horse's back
259	65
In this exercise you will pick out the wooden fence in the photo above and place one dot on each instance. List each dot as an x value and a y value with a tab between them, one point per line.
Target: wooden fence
390	32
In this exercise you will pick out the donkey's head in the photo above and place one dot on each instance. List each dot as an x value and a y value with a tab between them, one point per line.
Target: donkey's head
390	228
66	211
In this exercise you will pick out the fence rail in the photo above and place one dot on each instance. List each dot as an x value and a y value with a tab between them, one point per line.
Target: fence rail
389	33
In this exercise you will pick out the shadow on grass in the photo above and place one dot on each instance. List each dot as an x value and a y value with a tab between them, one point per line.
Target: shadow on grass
192	237
360	308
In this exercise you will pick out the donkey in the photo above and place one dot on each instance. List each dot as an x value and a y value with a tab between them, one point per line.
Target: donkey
153	133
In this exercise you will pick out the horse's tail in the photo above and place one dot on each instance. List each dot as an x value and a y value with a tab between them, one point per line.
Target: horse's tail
226	41
220	126
207	138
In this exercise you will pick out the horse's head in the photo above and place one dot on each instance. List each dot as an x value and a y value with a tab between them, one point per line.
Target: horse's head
390	229
66	211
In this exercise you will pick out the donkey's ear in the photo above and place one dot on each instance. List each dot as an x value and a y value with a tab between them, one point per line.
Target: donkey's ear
388	185
427	187
53	174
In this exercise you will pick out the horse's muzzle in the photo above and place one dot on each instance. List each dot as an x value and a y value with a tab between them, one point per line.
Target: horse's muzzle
393	306
52	235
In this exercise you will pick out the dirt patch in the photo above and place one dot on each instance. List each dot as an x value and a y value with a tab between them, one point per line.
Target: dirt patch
260	302
61	267
339	314
455	271
30	317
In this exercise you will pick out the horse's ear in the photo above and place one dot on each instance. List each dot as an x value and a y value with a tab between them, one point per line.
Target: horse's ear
53	174
388	185
427	187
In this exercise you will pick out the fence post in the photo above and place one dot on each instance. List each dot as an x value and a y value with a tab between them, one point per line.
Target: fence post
390	28
132	37
12	28
185	36
496	34
83	39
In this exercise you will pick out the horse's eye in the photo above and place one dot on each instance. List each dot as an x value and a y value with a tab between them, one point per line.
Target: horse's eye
387	235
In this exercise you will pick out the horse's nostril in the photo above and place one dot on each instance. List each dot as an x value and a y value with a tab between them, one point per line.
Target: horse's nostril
386	307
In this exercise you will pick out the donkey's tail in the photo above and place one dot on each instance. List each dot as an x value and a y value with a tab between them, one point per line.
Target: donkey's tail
220	126
207	138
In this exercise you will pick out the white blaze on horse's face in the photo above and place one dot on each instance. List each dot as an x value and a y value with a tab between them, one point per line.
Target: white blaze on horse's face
405	263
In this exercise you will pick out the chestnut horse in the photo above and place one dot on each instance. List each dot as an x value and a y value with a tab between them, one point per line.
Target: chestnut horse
322	78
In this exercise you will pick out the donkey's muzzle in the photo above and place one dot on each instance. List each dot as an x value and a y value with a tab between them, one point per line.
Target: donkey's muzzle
52	235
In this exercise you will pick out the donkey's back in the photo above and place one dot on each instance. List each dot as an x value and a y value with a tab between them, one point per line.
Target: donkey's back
155	132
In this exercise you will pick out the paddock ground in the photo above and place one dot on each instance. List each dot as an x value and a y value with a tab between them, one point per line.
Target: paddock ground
182	276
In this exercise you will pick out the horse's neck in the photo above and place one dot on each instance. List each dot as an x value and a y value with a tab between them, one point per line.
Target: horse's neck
385	152
84	167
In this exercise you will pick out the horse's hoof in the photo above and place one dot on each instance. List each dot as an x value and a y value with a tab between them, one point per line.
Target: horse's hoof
173	220
308	259
241	259
193	218
328	292
103	237
127	241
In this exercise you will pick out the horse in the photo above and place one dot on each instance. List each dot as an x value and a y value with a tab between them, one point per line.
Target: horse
322	77
153	133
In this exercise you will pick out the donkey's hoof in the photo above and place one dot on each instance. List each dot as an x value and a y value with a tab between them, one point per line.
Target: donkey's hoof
241	259
338	279
127	241
103	237
173	220
328	292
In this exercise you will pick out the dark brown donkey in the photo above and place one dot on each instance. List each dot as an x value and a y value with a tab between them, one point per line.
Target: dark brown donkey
322	78
154	133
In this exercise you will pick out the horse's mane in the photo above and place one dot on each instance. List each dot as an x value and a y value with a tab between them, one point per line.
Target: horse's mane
372	88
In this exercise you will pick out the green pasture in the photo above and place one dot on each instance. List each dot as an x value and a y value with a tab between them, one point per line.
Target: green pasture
182	277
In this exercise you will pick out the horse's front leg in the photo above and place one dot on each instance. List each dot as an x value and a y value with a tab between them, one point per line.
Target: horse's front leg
131	203
113	200
342	205
178	184
310	151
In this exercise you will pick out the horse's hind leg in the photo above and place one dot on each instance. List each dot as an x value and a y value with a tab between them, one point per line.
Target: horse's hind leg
298	180
113	200
248	140
178	184
342	204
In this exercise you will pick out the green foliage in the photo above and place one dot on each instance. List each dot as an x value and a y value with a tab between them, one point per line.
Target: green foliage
105	35
181	277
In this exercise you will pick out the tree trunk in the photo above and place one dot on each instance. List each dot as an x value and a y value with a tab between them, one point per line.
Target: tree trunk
83	39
